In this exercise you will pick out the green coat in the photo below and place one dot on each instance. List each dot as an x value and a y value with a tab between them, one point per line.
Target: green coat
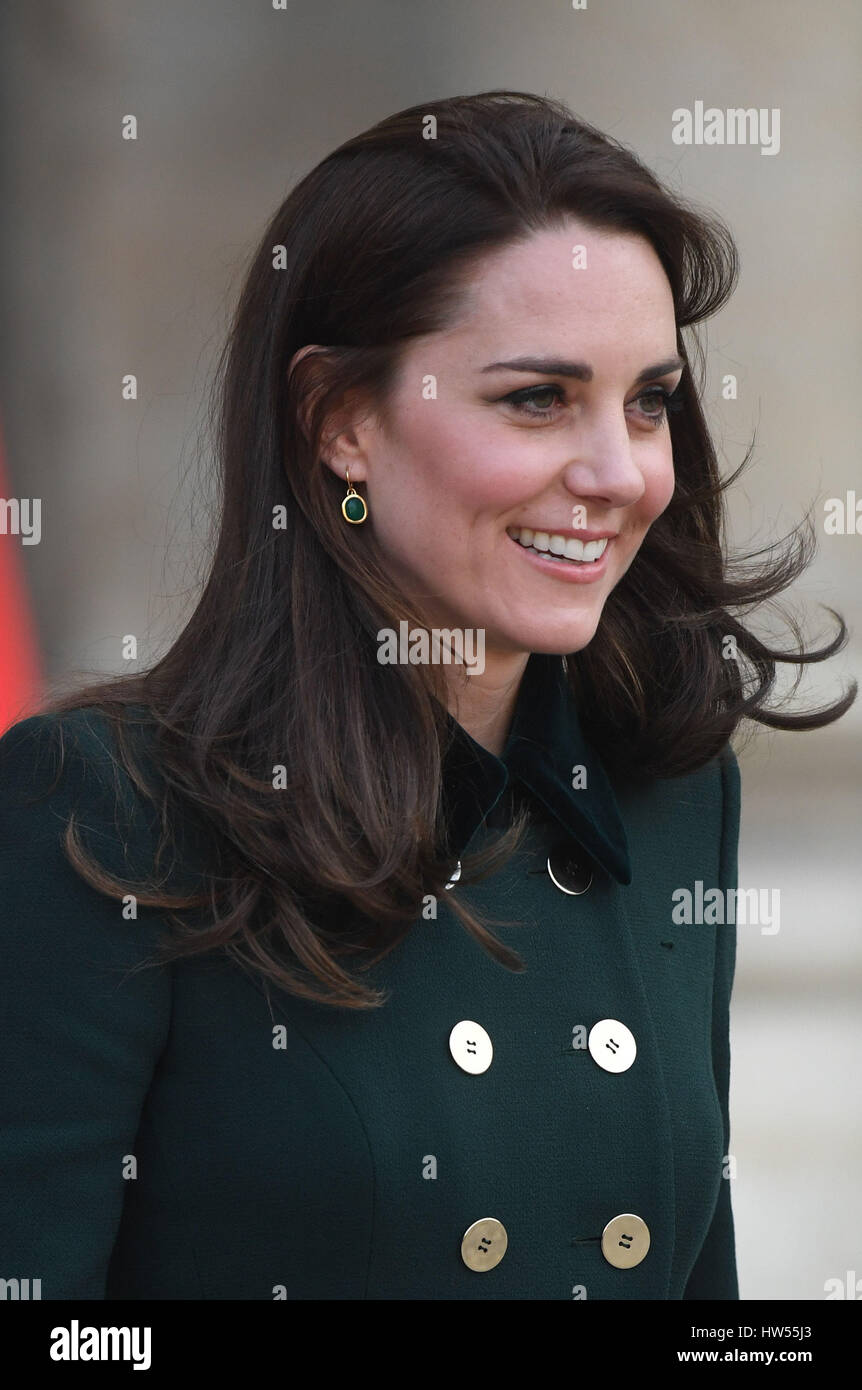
326	1154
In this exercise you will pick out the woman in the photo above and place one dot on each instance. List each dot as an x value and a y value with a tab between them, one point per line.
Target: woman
356	973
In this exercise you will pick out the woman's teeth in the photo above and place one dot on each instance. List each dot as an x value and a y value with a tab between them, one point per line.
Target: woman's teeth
565	548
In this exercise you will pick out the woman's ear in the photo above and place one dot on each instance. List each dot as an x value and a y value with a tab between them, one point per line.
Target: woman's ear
310	376
340	445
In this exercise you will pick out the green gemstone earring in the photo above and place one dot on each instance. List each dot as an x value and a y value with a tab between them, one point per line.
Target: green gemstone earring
353	507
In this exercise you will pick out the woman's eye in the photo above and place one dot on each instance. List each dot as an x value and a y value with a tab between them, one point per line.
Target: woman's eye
658	398
539	402
535	400
666	401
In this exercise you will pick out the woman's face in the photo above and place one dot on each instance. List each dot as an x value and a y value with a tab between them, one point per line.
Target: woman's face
571	443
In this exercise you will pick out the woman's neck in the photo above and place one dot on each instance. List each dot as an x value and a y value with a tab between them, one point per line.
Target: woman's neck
484	704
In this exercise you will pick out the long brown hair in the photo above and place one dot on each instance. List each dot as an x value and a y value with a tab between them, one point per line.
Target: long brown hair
277	666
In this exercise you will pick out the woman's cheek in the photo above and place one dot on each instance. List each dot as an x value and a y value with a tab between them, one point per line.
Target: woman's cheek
659	490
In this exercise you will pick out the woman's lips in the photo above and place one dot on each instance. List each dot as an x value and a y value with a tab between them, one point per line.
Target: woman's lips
572	571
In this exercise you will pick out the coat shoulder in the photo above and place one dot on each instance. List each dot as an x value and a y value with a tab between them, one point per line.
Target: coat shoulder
57	768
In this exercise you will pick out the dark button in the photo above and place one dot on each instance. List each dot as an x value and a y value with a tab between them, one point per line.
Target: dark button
570	868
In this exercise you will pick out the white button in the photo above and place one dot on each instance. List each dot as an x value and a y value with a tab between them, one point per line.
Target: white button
455	876
470	1046
612	1045
625	1240
484	1244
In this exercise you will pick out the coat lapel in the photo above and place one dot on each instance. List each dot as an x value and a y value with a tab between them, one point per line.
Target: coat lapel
544	746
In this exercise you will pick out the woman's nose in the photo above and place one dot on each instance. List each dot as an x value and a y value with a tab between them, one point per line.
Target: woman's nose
603	466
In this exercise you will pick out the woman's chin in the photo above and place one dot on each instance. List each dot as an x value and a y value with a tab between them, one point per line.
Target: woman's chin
551	638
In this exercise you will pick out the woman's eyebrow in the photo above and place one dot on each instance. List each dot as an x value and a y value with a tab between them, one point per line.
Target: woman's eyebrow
550	366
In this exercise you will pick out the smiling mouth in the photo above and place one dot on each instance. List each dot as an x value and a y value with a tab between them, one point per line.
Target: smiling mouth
556	547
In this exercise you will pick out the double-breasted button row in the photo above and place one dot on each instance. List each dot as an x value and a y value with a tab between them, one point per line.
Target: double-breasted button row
625	1241
626	1238
611	1045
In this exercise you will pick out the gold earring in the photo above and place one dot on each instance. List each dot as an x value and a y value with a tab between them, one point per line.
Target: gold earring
353	507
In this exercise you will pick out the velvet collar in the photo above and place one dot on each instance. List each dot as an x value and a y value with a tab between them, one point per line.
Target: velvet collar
545	743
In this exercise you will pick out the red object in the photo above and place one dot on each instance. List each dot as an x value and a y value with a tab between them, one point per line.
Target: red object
20	664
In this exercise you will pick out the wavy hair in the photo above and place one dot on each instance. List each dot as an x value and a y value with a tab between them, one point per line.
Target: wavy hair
277	664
